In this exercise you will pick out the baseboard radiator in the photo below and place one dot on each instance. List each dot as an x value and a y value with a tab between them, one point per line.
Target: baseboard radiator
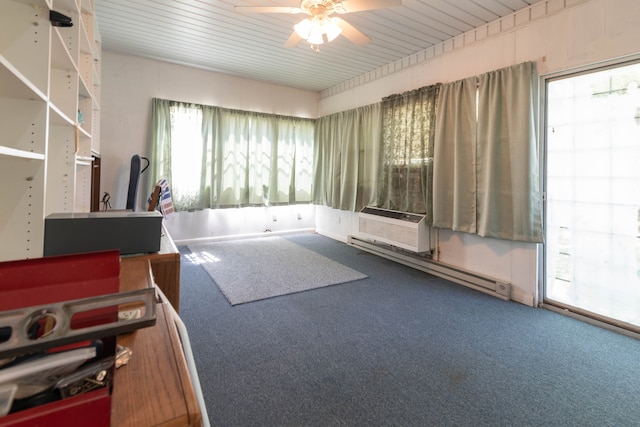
404	230
424	263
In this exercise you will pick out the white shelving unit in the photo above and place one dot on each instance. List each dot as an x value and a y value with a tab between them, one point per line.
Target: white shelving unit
49	116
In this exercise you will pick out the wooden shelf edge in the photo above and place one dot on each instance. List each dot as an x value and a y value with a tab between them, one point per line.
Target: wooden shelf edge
19	154
22	87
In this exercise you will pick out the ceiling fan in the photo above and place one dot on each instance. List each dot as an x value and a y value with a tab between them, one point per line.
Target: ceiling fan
321	27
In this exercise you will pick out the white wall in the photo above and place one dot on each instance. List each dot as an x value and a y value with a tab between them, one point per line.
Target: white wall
220	224
559	35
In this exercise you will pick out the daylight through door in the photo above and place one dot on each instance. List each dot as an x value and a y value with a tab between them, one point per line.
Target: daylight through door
592	251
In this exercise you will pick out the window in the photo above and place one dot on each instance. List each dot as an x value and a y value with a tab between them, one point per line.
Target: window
215	157
406	171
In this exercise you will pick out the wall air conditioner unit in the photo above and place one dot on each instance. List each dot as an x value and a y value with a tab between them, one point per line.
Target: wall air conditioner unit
405	230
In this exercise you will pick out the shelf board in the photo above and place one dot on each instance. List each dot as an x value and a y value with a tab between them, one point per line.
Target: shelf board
19	154
57	117
83	89
15	85
84	133
60	57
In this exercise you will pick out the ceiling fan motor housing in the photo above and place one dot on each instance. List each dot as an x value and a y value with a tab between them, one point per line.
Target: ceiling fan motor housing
321	7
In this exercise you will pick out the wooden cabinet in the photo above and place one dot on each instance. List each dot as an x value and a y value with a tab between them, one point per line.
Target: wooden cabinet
49	116
165	266
155	387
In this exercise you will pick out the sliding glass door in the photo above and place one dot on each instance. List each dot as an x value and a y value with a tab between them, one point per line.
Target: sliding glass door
592	251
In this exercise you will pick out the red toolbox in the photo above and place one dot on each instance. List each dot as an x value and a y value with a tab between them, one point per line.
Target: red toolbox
55	304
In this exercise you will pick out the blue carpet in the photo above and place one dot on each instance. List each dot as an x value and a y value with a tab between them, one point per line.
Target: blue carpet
402	348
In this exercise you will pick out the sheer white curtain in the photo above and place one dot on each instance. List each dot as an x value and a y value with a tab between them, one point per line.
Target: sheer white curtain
176	148
486	166
215	157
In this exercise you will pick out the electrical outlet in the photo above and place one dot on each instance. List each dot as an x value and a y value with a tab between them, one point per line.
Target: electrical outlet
275	218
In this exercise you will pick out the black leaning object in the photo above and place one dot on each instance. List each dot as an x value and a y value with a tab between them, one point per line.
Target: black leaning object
59	20
134	179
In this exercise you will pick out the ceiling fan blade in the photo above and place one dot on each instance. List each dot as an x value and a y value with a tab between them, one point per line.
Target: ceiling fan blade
267	9
293	40
360	5
352	34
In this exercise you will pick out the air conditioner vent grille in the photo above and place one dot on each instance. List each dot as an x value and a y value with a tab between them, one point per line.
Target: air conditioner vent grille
398	233
405	230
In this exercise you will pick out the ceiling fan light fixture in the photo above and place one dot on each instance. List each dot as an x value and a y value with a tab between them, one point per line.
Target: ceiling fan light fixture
303	28
331	29
316	32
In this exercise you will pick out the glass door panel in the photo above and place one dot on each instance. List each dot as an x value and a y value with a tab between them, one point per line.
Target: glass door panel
592	251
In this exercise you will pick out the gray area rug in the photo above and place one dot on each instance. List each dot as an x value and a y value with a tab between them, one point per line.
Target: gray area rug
255	269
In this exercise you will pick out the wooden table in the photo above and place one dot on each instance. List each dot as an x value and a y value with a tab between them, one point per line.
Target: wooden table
154	388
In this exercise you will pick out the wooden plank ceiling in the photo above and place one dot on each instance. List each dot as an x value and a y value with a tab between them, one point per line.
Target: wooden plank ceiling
208	34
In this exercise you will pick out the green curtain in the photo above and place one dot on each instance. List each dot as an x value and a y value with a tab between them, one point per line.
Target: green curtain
405	178
486	172
215	157
454	169
322	160
160	141
370	137
509	203
346	150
